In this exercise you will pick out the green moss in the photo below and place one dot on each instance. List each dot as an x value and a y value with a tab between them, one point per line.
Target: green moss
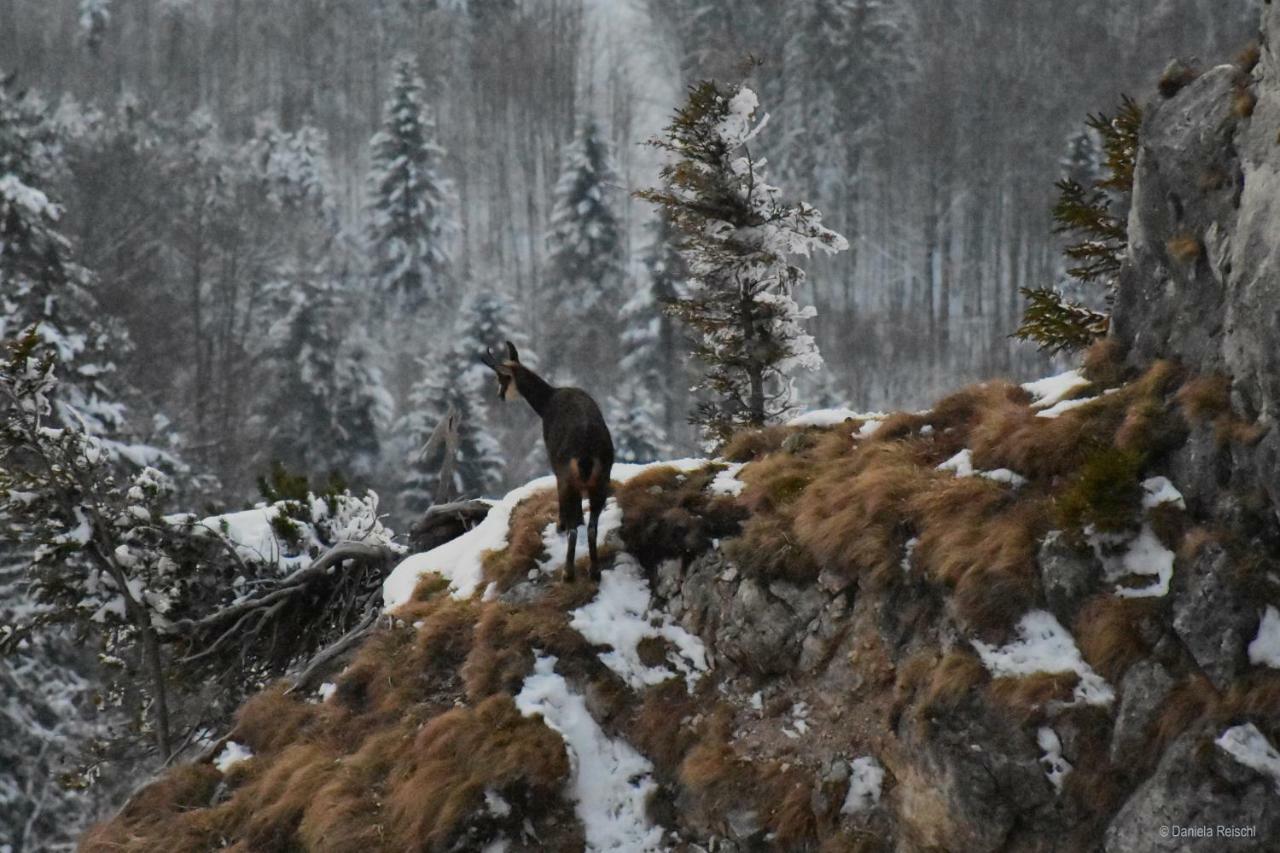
1106	493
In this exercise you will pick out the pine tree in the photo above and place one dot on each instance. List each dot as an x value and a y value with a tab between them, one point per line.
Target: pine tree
832	42
40	285
329	404
412	211
580	301
668	277
638	409
445	385
1081	162
455	378
1096	214
94	17
738	234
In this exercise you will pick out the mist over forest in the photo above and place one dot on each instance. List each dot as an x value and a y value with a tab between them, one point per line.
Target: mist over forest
264	246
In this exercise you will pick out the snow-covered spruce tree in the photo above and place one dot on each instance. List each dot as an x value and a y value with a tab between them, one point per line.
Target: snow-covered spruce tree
41	287
739	233
454	379
243	596
329	405
411	213
446	386
829	43
1095	215
94	17
581	293
637	410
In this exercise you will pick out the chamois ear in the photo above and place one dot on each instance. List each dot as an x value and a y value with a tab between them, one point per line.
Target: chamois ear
512	355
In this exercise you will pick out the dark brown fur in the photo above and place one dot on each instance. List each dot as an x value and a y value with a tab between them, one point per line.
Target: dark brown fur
578	443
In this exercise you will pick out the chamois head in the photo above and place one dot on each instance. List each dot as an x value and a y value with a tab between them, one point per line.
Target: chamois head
505	369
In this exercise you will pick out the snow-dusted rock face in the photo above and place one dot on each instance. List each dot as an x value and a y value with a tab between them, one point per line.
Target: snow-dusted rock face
1208	170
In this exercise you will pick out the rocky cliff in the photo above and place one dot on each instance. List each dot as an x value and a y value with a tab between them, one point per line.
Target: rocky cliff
1032	618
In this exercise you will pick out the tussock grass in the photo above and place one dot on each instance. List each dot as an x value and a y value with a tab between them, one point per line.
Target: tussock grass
667	513
1030	698
1185	248
1109	632
460	754
1104	363
505	637
524	540
752	444
952	682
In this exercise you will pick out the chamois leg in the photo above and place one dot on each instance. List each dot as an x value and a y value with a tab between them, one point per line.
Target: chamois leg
569	558
597	504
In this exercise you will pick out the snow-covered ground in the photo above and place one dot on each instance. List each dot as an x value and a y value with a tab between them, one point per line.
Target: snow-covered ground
461	560
1043	645
866	778
621	615
962	466
609	781
1265	648
1056	767
1048	391
1247	744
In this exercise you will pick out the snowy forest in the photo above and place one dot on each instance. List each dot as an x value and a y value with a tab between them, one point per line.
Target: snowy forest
251	254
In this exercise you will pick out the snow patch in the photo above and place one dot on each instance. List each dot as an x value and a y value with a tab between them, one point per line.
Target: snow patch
326	690
1144	555
726	481
962	465
833	417
1064	406
1265	648
866	778
460	561
610	782
1056	767
1052	389
1249	746
231	755
1043	645
621	616
1158	490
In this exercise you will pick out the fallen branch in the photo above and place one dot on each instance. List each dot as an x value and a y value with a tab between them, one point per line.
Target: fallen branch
327	658
443	522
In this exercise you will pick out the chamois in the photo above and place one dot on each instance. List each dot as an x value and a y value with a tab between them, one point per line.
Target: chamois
578	443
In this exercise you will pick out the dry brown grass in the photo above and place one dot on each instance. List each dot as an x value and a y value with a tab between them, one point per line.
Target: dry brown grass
851	518
1175	78
271	720
668	513
530	518
965	408
1191	700
767	546
1028	698
460	754
505	637
1109	631
900	425
1203	398
1248	57
657	726
1104	363
752	444
953	681
155	819
1243	101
